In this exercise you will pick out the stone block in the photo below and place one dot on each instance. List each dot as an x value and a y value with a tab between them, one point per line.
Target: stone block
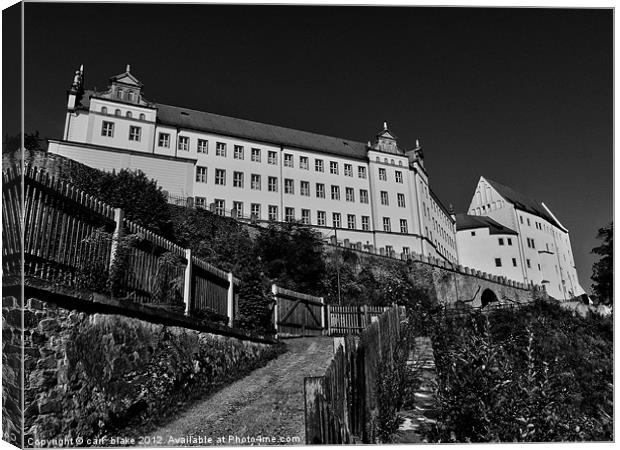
49	325
9	302
48	362
33	303
14	318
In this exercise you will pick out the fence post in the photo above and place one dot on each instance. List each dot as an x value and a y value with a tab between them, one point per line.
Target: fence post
187	286
231	299
119	214
274	291
329	320
322	315
366	318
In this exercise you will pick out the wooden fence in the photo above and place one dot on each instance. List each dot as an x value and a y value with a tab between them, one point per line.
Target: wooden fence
74	239
343	320
341	406
297	314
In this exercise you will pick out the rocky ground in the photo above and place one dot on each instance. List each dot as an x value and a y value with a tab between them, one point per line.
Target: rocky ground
266	407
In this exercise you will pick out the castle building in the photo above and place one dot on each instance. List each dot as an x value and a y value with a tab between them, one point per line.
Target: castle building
506	233
376	195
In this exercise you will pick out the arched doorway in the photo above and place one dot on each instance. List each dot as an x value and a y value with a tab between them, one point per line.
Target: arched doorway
488	296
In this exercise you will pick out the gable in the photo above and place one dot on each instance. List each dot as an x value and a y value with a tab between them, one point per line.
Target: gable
126	78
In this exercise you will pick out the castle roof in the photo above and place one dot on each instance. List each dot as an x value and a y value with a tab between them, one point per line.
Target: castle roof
524	203
273	134
468	222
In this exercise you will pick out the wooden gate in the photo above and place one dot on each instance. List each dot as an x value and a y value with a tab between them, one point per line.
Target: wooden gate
297	314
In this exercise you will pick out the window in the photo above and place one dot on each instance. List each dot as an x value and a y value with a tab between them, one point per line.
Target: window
200	202
501	241
361	171
528	222
130	96
349	194
220	177
238	152
384	198
399	176
498	262
365	223
333	167
117	112
104	110
305	216
289	188
255	182
521	219
318	165
272	184
533	246
273	212
163	140
320	190
238	179
473	233
509	240
128	114
203	146
348	170
389	249
134	133
183	143
403	226
119	92
336	220
529	264
363	196
255	211
386	224
288	160
351	221
382	174
289	214
220	207
303	162
201	174
320	218
304	188
220	149
256	154
272	157
238	209
514	262
406	250
401	200
142	116
335	192
107	129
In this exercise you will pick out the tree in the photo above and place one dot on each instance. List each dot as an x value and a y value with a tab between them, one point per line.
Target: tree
139	196
603	269
32	141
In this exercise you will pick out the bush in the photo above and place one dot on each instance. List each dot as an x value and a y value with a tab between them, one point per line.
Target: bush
534	374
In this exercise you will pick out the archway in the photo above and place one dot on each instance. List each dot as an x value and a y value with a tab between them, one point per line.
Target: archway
488	296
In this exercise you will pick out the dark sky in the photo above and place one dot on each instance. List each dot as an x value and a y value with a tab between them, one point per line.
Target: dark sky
522	96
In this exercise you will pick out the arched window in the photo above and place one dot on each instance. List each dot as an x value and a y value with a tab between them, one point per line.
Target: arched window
117	112
488	296
142	116
119	93
130	96
104	110
400	163
128	114
378	159
392	161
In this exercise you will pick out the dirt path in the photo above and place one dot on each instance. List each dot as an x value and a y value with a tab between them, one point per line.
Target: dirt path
268	403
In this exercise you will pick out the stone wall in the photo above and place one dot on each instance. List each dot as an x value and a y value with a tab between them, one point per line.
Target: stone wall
88	374
11	371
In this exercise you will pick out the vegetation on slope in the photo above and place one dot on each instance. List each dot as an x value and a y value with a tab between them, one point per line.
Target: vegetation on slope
534	374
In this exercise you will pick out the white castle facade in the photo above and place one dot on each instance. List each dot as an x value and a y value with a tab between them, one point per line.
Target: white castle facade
376	195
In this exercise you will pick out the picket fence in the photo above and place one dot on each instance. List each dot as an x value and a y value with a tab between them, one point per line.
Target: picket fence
72	238
341	406
343	320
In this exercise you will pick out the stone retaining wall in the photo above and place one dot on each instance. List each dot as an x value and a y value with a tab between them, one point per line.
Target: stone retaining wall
88	373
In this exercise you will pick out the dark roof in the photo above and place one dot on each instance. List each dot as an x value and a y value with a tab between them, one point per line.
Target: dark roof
467	222
231	126
523	202
441	205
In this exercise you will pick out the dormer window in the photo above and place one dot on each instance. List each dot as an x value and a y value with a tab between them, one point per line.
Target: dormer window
117	112
119	93
130	96
128	114
104	110
142	116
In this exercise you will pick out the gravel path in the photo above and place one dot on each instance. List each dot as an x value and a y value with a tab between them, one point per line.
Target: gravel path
267	404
